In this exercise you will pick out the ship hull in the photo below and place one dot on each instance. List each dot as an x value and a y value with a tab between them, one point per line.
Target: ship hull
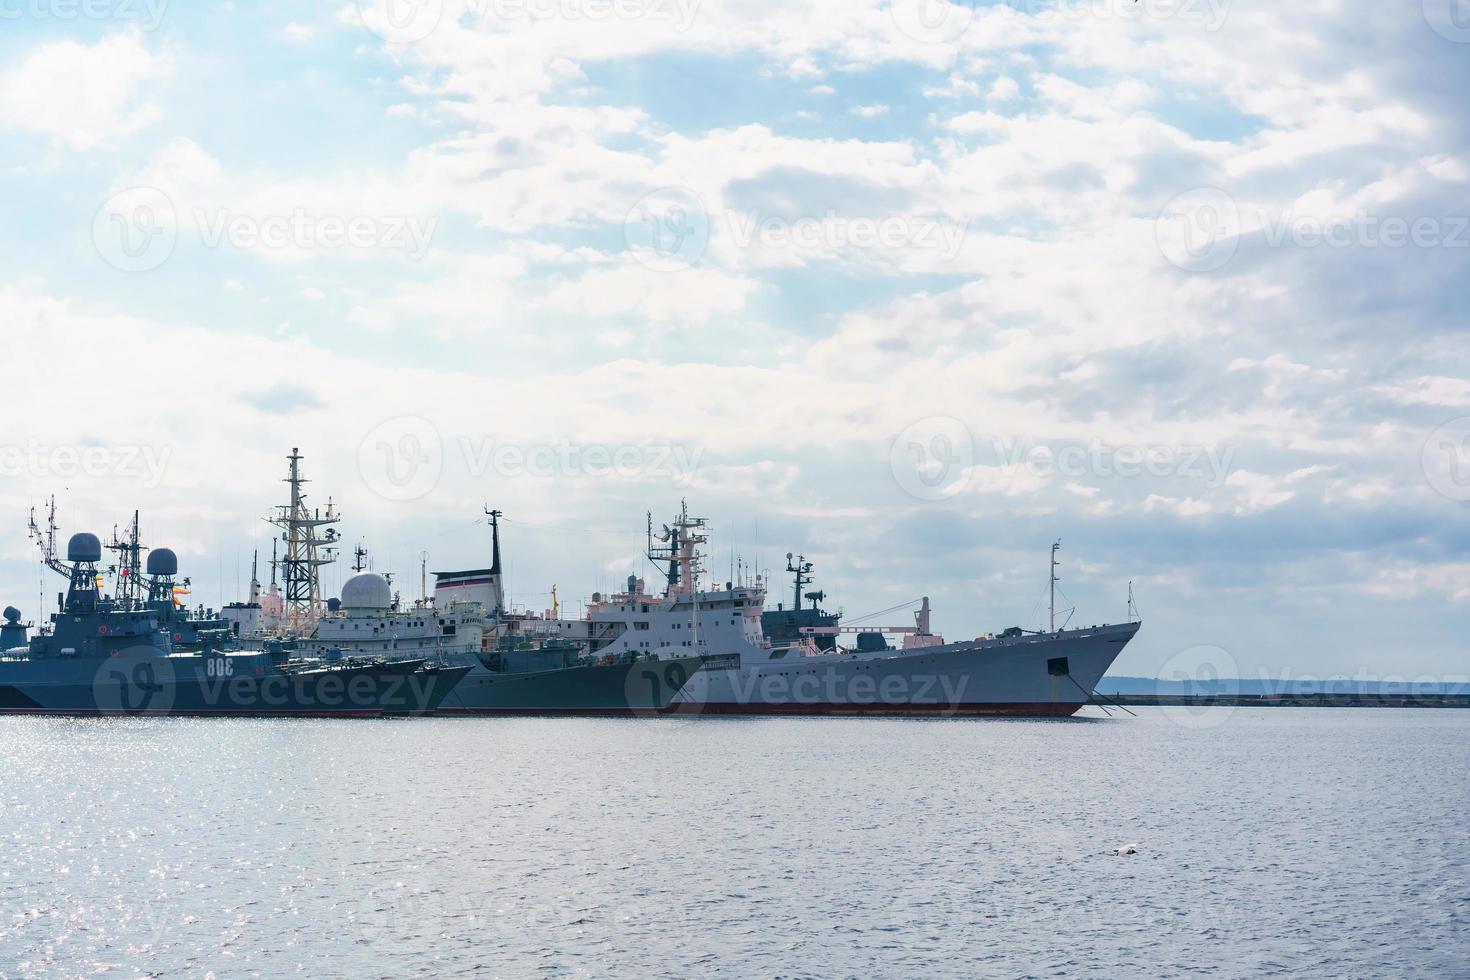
1035	676
619	689
229	685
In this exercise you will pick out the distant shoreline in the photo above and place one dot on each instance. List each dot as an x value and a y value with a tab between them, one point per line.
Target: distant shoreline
1320	700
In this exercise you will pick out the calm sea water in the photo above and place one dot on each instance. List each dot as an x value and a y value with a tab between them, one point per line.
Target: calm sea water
1320	841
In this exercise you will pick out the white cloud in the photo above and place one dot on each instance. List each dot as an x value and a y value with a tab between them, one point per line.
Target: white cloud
1003	89
297	33
85	96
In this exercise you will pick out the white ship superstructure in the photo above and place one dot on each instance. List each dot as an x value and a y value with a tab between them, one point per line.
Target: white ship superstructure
1048	672
369	623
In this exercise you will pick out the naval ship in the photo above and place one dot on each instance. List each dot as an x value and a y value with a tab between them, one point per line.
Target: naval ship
804	671
529	666
105	655
512	667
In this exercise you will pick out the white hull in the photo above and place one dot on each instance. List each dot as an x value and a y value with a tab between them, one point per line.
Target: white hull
1053	674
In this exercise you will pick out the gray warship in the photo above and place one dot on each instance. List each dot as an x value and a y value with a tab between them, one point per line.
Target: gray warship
104	654
516	664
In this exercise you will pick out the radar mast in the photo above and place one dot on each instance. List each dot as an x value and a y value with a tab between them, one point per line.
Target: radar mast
307	550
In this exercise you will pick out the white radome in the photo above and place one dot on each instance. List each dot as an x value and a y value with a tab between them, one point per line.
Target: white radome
366	590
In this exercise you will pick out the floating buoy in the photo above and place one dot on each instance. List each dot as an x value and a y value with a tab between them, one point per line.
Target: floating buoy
1126	849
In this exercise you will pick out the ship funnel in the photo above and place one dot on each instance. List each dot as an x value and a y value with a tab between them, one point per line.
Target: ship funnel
84	548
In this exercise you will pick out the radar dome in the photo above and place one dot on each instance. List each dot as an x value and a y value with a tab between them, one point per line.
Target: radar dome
334	605
12	614
163	562
366	590
84	547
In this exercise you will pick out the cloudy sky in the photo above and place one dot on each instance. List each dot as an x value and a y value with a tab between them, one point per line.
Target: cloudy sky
911	288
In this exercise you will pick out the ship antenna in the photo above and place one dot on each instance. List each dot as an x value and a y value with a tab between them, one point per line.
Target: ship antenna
1055	545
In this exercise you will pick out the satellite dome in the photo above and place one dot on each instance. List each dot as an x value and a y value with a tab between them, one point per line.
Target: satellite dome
366	590
334	605
84	547
12	614
163	562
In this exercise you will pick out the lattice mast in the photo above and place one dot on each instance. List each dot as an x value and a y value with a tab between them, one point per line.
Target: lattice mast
128	570
308	548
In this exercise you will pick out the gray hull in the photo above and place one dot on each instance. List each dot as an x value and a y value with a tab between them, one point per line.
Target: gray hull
644	687
1051	675
223	684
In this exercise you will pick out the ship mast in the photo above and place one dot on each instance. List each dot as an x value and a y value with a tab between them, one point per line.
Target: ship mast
1054	563
497	582
494	516
803	570
129	567
255	577
306	552
46	539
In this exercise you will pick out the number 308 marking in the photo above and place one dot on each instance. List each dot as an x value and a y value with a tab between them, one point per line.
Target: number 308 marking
222	667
